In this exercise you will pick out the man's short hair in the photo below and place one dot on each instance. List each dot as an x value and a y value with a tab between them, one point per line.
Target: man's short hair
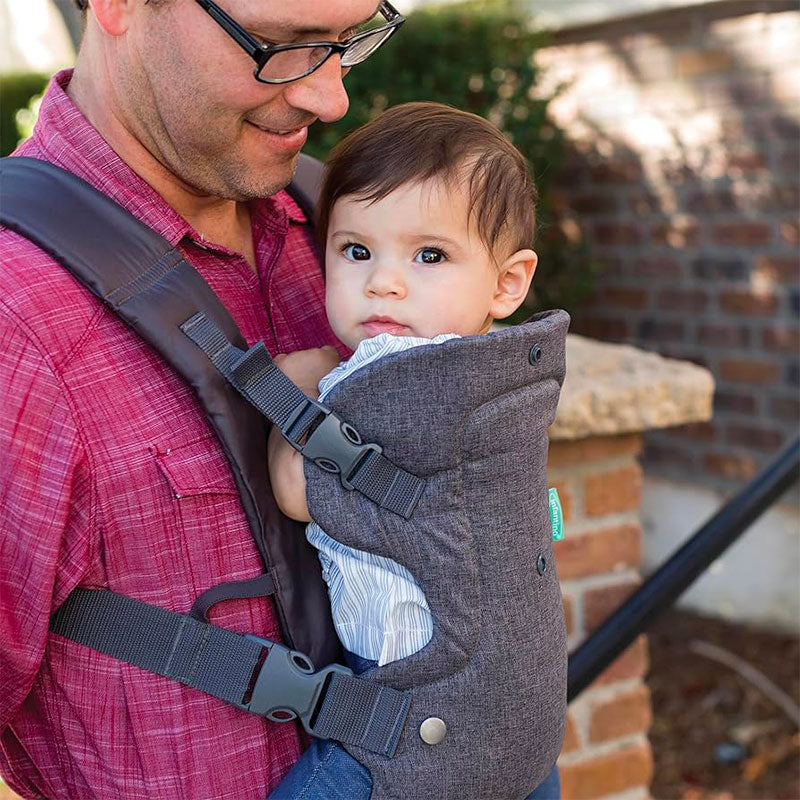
417	142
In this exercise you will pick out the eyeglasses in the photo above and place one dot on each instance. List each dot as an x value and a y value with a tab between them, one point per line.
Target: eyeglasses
283	63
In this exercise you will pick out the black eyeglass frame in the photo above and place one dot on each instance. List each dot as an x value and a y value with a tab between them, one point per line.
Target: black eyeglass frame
261	53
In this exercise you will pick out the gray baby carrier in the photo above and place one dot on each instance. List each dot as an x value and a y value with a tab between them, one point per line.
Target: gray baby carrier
471	417
434	457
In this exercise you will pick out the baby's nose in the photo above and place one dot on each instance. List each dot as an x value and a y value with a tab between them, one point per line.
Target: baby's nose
386	280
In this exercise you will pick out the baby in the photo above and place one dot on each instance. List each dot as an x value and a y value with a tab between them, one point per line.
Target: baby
427	215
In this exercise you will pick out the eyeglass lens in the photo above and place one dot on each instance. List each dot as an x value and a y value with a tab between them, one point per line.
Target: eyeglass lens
297	62
362	48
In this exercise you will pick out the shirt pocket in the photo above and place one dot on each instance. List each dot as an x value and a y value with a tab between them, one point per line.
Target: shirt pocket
195	469
215	538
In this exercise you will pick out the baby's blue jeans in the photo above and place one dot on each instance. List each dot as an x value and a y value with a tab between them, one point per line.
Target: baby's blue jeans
326	771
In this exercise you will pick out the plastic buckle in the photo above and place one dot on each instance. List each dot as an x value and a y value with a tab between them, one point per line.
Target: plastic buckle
333	445
287	688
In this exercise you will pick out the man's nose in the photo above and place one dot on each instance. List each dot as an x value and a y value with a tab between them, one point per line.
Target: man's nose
385	280
321	93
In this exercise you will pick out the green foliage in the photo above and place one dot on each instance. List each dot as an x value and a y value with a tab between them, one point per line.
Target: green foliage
477	57
16	91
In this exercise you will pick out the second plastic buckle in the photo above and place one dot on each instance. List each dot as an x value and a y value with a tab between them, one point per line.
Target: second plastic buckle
287	687
333	445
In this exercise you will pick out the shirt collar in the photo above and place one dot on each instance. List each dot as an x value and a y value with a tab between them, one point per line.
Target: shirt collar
68	140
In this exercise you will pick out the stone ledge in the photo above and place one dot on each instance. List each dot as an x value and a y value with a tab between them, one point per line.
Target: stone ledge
613	388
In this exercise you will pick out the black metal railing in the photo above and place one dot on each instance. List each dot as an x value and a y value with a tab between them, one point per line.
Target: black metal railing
665	585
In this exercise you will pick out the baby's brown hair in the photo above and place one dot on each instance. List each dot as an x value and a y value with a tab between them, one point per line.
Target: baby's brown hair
417	142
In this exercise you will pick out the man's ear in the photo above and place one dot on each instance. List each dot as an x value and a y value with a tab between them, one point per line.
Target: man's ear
113	16
513	281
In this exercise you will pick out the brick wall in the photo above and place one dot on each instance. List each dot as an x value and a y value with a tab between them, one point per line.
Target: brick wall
685	180
606	751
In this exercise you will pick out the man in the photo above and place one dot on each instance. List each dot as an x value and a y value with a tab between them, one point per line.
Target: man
109	474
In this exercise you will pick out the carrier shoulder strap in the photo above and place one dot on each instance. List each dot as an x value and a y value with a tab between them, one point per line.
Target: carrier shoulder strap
154	289
306	184
149	285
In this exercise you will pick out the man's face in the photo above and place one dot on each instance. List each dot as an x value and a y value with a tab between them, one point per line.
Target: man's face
411	264
188	93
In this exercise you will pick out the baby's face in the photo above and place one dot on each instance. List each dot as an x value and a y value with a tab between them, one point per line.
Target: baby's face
410	264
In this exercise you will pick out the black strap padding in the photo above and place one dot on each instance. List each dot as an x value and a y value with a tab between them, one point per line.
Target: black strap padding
153	288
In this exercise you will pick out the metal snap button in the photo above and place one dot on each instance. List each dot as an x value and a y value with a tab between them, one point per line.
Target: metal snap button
432	730
535	353
541	564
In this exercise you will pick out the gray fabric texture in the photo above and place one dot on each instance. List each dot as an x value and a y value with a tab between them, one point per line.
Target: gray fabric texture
471	417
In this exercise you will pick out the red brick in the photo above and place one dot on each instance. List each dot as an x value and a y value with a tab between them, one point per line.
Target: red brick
723	335
610	171
627	297
739	369
727	268
608	774
785	408
617	233
593	204
631	663
644	204
701	62
652	329
657	267
778	197
743	234
602	328
612	491
783	269
598	552
687	300
730	465
710	202
597	448
693	431
746	161
746	301
571	738
755	437
735	402
786	339
599	604
609	266
677	234
665	455
623	715
564	489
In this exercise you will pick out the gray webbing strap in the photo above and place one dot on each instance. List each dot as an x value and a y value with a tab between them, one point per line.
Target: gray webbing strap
331	703
260	586
332	444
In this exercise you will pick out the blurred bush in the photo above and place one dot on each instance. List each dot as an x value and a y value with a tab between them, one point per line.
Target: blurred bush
477	57
16	91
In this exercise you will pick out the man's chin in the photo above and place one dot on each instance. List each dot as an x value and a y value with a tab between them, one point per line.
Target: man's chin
263	180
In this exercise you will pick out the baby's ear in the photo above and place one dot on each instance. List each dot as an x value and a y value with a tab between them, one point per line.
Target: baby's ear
513	281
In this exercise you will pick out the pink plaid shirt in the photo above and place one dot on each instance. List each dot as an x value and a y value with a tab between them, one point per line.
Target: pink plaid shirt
111	477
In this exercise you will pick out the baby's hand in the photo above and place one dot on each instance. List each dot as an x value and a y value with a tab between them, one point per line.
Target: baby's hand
307	367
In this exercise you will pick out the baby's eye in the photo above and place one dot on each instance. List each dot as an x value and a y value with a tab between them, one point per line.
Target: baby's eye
356	252
430	255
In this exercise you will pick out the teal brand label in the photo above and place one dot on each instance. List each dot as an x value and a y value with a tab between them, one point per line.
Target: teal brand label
556	515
